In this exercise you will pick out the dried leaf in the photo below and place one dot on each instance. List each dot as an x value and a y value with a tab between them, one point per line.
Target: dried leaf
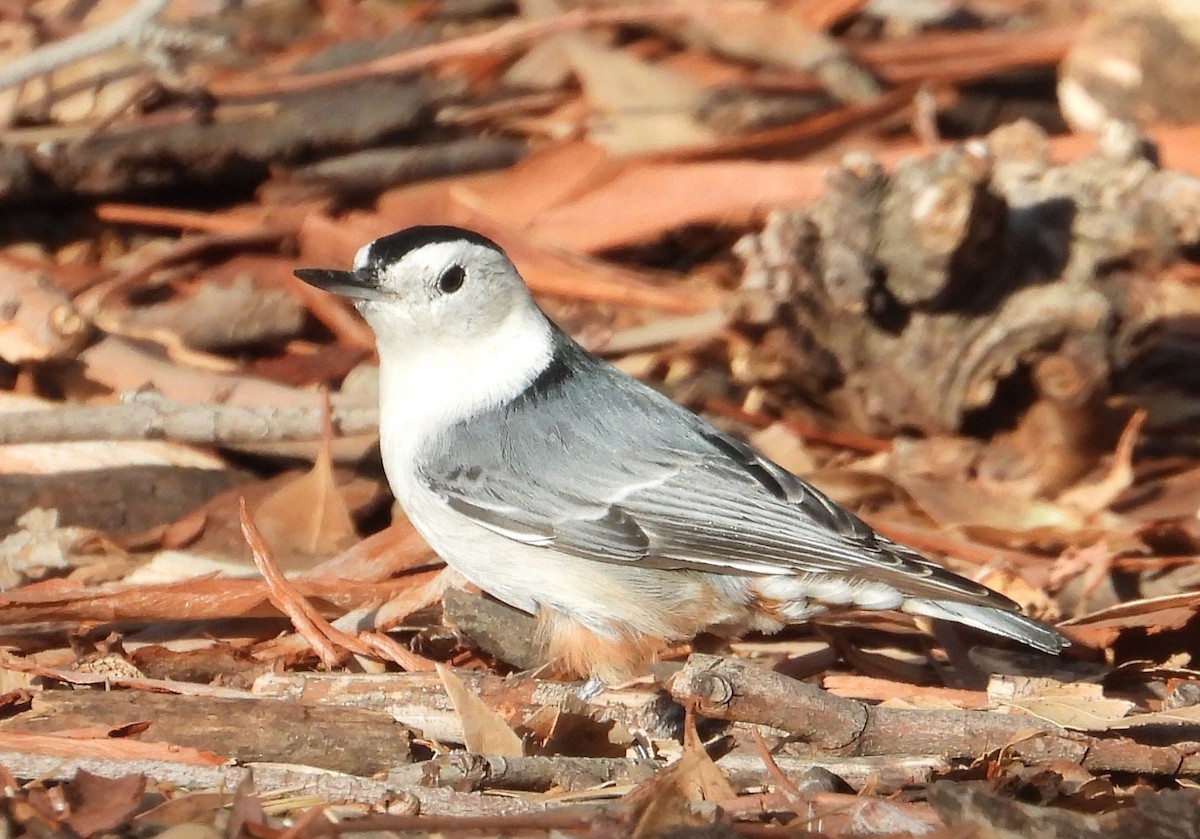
699	778
484	731
378	557
645	107
97	804
307	520
1188	715
666	802
1079	714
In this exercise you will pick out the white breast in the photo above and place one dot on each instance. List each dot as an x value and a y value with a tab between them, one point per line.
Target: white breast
428	387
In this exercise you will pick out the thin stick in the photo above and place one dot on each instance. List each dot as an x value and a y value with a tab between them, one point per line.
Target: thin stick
323	637
151	417
128	28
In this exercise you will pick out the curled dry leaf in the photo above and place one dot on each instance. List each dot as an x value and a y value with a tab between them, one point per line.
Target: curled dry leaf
485	732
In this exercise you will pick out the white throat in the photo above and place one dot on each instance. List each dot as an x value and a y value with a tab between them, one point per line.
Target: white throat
425	389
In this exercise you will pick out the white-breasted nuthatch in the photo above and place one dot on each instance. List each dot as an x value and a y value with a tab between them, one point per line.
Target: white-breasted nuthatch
569	490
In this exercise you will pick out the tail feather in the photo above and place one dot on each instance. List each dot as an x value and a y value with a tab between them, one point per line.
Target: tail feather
989	619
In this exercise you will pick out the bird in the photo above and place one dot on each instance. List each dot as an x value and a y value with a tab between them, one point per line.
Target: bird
618	518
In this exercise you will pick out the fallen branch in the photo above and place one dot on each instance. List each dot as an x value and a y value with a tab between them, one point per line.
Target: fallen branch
147	416
419	700
732	690
117	500
577	817
296	780
184	250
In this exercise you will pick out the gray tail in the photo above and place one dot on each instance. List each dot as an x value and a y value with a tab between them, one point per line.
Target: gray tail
996	621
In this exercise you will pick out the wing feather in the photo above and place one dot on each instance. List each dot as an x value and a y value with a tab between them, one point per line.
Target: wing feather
631	477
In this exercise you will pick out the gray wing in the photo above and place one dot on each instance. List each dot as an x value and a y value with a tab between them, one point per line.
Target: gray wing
597	465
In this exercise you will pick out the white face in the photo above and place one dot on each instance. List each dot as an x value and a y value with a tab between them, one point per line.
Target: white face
443	293
458	333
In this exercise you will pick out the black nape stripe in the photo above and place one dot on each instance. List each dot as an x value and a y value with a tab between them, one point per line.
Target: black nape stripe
393	247
553	376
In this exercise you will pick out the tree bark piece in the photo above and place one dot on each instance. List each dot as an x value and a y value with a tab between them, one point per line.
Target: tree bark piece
351	740
237	143
127	499
507	633
37	320
373	170
733	690
913	295
216	316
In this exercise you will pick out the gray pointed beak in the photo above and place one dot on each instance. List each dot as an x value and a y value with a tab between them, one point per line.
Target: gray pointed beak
354	284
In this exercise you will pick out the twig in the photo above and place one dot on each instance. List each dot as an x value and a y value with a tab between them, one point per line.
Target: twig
128	29
196	599
777	775
108	680
387	647
226	223
149	417
323	637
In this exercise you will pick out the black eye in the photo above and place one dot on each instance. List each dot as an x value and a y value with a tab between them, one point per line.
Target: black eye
451	279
